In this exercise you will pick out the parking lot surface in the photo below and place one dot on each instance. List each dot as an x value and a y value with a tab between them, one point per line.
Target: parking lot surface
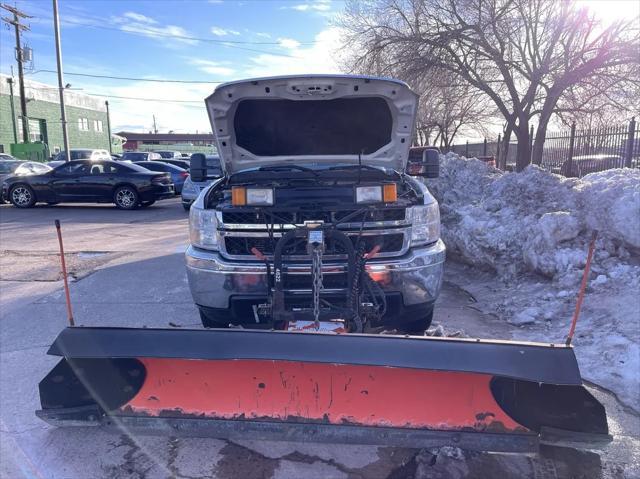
127	269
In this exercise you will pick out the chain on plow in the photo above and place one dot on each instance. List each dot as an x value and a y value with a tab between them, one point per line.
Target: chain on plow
316	274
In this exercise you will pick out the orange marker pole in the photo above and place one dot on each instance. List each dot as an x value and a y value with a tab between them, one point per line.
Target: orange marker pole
64	275
583	287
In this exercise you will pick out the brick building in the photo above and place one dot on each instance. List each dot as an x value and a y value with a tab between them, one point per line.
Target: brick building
86	117
183	142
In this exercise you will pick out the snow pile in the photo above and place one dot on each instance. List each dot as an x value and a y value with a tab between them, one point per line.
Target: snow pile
540	222
534	225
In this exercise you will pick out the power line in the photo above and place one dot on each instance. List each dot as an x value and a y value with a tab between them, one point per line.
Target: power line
163	100
158	80
152	33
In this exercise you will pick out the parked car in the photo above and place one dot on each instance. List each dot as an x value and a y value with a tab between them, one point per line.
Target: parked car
584	164
192	187
184	164
10	167
136	156
169	154
178	175
87	181
82	154
7	157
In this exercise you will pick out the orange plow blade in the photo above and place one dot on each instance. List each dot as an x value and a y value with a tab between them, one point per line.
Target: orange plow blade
404	391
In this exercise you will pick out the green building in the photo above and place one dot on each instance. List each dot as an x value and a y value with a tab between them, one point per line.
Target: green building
87	121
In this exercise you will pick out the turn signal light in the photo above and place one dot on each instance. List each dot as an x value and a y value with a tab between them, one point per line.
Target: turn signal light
238	196
389	193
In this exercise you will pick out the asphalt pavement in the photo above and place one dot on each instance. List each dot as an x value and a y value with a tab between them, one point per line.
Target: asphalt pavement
127	269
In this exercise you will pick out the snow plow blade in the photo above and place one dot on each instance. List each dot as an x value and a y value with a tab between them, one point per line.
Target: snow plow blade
313	387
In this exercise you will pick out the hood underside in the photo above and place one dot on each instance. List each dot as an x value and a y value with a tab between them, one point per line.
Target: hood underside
312	120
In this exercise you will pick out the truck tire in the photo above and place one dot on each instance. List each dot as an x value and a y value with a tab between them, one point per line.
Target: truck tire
417	326
210	320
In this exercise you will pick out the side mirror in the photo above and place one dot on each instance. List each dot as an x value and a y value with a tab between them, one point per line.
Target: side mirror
427	165
198	169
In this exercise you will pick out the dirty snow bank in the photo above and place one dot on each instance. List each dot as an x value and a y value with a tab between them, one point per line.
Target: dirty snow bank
540	222
533	230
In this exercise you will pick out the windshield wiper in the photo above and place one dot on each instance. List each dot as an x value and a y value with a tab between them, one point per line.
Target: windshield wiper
288	167
355	167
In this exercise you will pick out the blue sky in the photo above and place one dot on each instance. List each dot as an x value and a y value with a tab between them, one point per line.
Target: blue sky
232	39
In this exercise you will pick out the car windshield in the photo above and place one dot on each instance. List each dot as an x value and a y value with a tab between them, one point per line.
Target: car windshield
9	166
166	154
133	156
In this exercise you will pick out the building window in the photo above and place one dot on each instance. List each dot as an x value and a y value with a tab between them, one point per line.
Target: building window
97	125
83	124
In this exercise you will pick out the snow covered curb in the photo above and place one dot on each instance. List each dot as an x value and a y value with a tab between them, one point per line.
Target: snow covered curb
532	229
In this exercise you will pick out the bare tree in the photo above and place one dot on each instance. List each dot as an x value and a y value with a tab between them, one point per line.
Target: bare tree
522	54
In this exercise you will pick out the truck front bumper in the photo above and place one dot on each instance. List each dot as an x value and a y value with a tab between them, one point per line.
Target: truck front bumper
214	280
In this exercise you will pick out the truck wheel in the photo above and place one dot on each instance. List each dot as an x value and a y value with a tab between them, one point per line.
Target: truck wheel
212	321
417	326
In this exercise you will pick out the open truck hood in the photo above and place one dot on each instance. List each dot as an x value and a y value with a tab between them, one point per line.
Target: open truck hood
312	120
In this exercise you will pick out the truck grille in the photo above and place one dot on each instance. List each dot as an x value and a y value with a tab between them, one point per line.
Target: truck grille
288	217
242	245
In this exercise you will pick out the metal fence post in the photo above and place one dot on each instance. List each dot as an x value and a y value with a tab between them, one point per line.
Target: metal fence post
530	144
571	142
630	140
484	148
498	159
466	151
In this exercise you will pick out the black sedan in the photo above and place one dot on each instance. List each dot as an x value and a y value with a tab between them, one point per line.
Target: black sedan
89	181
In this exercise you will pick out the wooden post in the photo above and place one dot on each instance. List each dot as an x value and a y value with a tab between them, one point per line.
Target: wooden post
64	275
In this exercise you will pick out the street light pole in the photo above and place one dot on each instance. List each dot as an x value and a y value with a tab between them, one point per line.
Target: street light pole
106	103
63	113
13	111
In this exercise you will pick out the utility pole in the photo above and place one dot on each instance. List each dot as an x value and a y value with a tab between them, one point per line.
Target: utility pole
19	27
155	128
63	112
13	110
106	103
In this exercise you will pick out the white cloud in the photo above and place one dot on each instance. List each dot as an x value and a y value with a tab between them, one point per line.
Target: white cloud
288	43
139	17
212	67
146	26
223	32
316	6
317	58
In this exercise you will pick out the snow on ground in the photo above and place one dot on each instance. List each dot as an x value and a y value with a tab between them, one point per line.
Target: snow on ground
531	231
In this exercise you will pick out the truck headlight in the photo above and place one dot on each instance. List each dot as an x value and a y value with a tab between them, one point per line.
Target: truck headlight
425	223
203	228
241	196
369	194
